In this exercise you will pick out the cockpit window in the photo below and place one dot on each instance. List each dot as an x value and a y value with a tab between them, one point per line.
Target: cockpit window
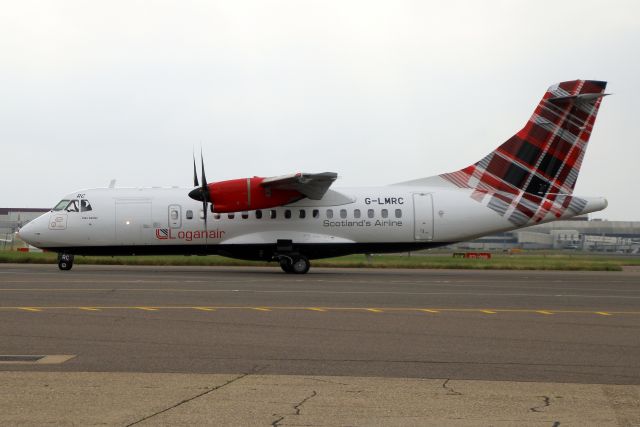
72	206
61	205
85	206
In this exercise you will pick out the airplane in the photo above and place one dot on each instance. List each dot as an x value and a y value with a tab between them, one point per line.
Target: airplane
295	218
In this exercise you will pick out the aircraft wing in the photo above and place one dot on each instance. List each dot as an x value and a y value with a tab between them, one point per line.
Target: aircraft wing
312	185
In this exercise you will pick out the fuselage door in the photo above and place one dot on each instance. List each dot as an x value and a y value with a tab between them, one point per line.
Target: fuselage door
175	216
132	221
423	216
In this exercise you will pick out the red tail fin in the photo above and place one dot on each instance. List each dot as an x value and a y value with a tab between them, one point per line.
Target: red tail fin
541	161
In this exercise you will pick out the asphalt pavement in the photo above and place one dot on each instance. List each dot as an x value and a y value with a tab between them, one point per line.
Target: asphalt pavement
575	327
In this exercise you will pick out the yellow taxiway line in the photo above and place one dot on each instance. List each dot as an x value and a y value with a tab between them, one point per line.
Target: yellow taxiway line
431	310
29	309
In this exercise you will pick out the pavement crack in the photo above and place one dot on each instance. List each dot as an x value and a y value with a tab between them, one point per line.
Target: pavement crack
303	401
297	408
325	381
231	381
450	390
276	423
546	402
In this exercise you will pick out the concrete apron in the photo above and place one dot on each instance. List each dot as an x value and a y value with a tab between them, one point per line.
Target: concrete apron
79	398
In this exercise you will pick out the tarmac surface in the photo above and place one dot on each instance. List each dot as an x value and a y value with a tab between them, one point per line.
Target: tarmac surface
196	334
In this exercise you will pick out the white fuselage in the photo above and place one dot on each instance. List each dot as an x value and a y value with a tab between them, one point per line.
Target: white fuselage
114	221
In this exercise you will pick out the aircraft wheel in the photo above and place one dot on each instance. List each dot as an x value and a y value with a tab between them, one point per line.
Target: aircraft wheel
65	262
65	265
285	265
300	265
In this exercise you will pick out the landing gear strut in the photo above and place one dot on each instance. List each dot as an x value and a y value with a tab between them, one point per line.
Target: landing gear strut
65	261
294	264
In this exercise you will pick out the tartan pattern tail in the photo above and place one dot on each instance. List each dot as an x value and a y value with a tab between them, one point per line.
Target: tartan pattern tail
534	172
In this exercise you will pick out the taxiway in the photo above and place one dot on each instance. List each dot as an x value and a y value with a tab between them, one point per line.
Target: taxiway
581	327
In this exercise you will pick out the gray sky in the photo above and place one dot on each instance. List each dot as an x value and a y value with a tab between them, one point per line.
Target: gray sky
379	92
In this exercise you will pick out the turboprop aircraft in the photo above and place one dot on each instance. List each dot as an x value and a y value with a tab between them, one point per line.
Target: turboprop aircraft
294	218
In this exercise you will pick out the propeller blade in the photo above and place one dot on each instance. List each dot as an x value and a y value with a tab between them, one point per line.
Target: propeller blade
205	196
204	178
205	206
195	174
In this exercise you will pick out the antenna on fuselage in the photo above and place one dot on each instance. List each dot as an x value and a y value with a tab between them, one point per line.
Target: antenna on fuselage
112	183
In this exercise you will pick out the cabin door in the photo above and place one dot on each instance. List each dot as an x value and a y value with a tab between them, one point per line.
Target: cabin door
423	216
133	222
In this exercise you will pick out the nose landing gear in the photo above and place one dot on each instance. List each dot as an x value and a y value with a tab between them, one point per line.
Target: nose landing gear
65	261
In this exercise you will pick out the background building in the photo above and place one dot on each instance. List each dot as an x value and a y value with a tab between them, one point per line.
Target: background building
11	219
575	234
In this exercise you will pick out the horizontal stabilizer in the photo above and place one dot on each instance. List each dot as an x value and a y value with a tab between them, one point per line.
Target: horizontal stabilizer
312	185
583	97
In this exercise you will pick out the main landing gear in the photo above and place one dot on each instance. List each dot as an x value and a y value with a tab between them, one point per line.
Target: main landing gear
65	261
291	261
294	264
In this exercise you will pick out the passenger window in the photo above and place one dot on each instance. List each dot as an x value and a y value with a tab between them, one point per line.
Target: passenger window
245	215
343	213
216	216
287	214
258	214
315	213
72	206
201	214
61	205
85	206
189	214
398	213
329	213
303	213
370	213
385	213
356	213
231	216
274	214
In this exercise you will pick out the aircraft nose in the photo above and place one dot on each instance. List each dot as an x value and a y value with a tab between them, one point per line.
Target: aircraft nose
26	233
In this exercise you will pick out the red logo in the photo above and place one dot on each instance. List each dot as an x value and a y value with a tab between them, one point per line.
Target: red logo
188	236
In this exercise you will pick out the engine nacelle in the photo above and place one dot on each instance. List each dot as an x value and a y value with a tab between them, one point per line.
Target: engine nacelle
248	194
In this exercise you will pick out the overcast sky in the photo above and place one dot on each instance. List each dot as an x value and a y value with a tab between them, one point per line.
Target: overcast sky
379	92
